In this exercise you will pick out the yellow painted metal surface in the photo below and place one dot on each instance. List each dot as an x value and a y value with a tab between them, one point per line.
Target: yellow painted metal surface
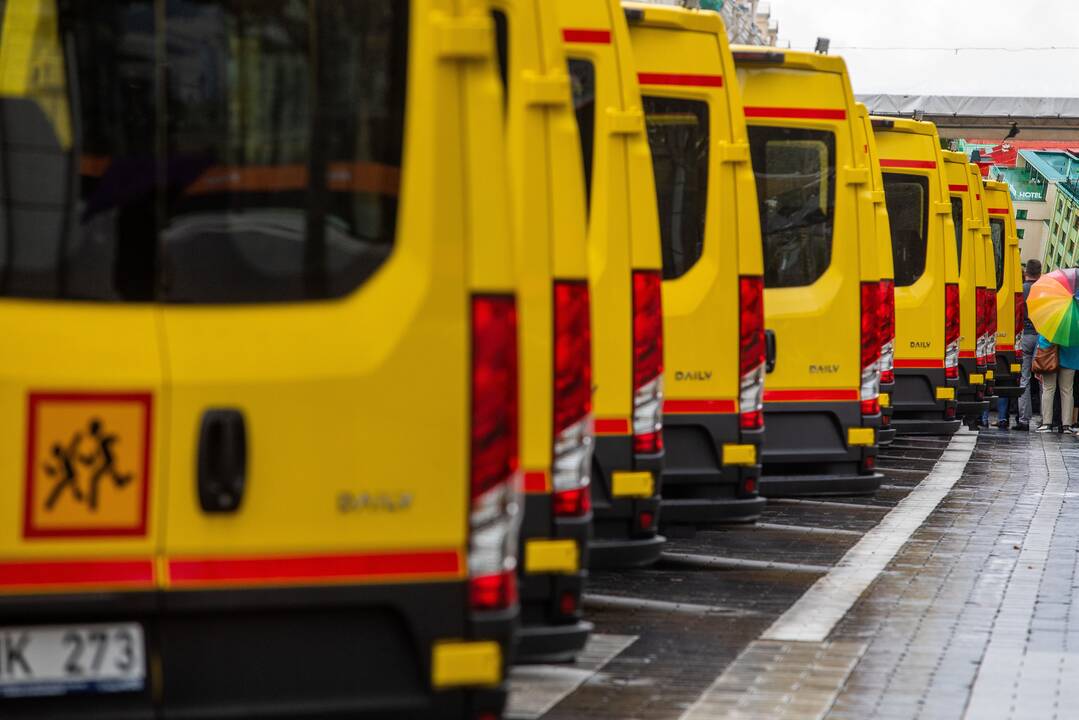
739	454
552	556
633	484
976	379
945	393
860	436
458	664
885	400
998	198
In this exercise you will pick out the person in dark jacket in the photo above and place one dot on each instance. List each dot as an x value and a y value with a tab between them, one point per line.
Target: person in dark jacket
1031	273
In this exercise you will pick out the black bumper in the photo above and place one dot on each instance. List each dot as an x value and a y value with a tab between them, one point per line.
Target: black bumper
698	489
806	450
1006	382
926	427
620	537
310	652
547	633
885	436
917	409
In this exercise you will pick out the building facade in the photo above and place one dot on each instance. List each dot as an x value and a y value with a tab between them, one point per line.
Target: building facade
1035	182
1063	235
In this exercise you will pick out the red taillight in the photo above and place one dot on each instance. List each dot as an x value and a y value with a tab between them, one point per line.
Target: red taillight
1018	321
647	362
872	334
752	352
951	330
572	451
887	330
494	446
981	323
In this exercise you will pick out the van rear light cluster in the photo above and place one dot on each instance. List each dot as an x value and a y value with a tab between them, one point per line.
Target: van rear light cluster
951	330
495	487
647	362
991	350
572	452
982	323
887	330
1019	302
752	352
871	347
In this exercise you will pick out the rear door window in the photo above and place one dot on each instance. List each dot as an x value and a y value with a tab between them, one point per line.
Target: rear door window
678	133
957	221
265	168
997	233
908	212
582	75
795	172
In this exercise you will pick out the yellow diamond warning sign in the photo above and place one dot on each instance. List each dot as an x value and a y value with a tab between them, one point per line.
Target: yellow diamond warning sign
88	464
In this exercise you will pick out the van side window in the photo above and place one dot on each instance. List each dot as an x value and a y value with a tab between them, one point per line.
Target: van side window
957	221
997	229
795	171
273	176
678	133
502	47
582	75
908	211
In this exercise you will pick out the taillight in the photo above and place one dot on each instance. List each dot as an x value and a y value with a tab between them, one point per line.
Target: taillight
982	323
1018	321
887	329
991	334
495	498
871	347
752	352
572	452
647	362
951	330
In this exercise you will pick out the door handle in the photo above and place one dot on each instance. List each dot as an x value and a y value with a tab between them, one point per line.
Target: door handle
222	462
769	350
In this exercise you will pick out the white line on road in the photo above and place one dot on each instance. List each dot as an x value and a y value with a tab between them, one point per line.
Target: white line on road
814	615
718	562
807	529
825	503
635	603
535	689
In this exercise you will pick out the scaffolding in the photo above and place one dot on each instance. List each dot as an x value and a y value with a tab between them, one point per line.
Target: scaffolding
749	22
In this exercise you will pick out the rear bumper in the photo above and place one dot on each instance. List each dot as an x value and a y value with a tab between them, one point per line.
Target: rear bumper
548	578
885	436
1007	383
807	449
926	427
971	408
618	537
278	653
699	489
925	402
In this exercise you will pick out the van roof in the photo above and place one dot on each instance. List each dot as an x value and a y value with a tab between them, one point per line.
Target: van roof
639	13
915	127
954	157
800	59
997	186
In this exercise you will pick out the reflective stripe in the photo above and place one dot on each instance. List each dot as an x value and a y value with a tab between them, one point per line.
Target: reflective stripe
547	556
633	484
885	400
860	436
810	395
612	426
976	379
454	664
586	36
945	393
739	454
701	407
83	574
536	481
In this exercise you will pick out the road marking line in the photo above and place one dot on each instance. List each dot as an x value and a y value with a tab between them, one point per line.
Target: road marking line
808	529
635	603
535	689
825	503
814	615
729	563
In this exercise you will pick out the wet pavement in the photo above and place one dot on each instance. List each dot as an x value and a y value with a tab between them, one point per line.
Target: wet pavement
946	595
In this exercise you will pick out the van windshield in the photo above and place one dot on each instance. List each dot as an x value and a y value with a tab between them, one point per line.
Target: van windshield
908	212
997	227
678	134
957	221
265	168
795	171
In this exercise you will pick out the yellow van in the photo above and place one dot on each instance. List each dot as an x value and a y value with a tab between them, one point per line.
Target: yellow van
987	312
555	329
886	308
926	277
713	287
970	250
625	282
259	396
821	273
1008	278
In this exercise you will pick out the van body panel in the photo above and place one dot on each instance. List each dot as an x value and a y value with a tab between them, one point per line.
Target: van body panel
1008	280
623	236
686	72
801	114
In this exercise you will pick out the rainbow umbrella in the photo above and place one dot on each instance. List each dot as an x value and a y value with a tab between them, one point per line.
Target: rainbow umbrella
1053	306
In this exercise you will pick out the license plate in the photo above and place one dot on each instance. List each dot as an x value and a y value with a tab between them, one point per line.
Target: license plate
63	659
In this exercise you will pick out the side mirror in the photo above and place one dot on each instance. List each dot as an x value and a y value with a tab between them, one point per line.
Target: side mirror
769	351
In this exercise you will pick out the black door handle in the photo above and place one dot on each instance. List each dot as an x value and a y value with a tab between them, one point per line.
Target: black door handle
222	462
769	350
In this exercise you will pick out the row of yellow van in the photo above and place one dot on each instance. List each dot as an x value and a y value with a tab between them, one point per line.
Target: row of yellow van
284	348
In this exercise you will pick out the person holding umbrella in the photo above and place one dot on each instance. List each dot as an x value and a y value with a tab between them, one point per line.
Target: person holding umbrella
1053	308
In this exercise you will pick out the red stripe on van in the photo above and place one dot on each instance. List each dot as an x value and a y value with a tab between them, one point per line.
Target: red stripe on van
297	569
535	481
699	407
583	35
965	354
680	79
612	426
998	211
798	113
84	573
810	395
915	164
958	188
918	363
